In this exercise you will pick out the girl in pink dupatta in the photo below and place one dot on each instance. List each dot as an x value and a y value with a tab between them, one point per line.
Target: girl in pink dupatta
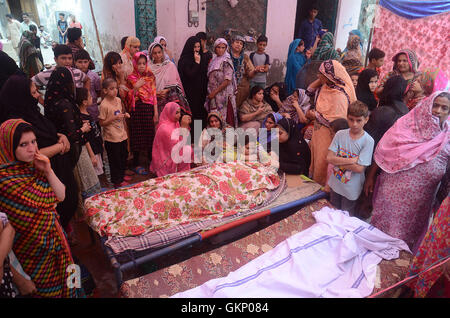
168	82
413	155
143	108
166	140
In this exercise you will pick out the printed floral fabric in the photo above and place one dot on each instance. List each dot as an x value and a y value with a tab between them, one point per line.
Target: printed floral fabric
211	192
434	248
428	37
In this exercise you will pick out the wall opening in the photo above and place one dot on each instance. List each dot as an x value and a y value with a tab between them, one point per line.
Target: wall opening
327	14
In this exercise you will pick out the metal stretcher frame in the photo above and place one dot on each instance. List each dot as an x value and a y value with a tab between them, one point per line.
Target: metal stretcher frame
120	268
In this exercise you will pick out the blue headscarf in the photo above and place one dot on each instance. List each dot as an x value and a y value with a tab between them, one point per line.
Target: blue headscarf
361	37
294	64
270	137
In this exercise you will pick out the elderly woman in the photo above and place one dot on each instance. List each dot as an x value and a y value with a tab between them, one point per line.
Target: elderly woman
413	156
244	69
254	110
428	82
168	83
132	46
406	64
333	92
222	84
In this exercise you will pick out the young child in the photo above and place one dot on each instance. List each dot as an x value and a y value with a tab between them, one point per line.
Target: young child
94	144
261	61
350	153
112	119
90	183
376	60
143	108
336	125
82	62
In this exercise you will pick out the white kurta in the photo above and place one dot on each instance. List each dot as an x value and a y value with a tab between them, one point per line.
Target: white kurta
336	257
13	32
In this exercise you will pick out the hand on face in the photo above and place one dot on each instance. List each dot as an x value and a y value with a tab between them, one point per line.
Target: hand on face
42	163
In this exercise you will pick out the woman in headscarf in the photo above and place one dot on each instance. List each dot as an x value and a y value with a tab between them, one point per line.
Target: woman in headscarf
295	61
244	70
391	107
61	109
428	82
353	51
269	123
406	64
222	84
190	70
325	50
167	53
295	155
353	67
413	155
333	92
168	83
296	106
19	99
367	83
30	63
143	107
254	110
132	46
275	95
214	132
30	191
166	140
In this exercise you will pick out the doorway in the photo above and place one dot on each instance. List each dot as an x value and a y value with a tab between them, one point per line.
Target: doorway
16	9
327	13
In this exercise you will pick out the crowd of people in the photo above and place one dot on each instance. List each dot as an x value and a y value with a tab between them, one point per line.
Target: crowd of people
379	146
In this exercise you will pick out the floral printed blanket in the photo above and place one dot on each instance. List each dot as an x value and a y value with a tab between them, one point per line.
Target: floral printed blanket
207	193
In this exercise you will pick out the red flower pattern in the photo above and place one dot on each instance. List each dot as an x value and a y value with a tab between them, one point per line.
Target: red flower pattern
206	195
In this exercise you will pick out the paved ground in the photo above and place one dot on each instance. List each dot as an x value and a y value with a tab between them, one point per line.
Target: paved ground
47	53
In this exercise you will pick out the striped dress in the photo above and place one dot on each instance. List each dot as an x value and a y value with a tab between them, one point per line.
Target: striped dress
40	244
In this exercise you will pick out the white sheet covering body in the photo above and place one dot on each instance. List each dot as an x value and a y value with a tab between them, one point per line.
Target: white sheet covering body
336	257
